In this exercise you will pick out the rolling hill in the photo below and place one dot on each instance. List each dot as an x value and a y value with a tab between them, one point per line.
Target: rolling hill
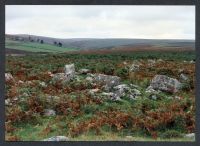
32	43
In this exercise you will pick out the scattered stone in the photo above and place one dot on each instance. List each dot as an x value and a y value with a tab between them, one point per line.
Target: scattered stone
89	79
15	99
192	61
49	112
20	82
69	70
165	83
93	91
134	67
136	92
60	77
190	136
124	89
84	71
125	63
57	138
8	102
129	137
43	84
160	60
64	77
151	62
183	77
50	74
25	94
106	80
9	78
180	70
151	93
177	97
29	82
112	96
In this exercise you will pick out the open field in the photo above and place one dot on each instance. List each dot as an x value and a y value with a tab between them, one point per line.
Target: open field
39	107
35	47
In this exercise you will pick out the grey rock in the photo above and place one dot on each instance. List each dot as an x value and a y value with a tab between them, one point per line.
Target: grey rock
60	77
150	90
93	91
57	138
192	62
177	97
69	70
84	71
134	68
184	77
125	63
49	112
64	77
151	62
124	89
190	136
129	137
9	78
8	102
89	79
112	96
20	82
160	60
180	70
43	84
106	80
165	83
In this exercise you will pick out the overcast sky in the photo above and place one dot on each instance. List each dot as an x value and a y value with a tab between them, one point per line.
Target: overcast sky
153	22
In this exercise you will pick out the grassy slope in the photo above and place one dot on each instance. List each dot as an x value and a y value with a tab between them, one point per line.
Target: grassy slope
35	47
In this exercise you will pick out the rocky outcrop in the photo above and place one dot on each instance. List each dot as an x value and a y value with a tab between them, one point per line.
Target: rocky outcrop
165	83
64	77
106	80
70	70
122	90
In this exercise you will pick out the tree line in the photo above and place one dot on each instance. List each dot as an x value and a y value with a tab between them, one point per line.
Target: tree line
30	39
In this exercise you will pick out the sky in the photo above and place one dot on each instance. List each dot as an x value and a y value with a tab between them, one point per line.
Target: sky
149	22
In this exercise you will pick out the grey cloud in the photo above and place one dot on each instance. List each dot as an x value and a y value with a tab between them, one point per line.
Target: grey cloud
102	21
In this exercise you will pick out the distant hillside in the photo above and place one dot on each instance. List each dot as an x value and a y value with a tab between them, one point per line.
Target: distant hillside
22	41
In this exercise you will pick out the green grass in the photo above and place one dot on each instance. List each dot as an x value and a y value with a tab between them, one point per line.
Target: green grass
29	132
35	47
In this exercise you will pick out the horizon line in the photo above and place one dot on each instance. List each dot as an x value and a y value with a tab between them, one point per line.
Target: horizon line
105	37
